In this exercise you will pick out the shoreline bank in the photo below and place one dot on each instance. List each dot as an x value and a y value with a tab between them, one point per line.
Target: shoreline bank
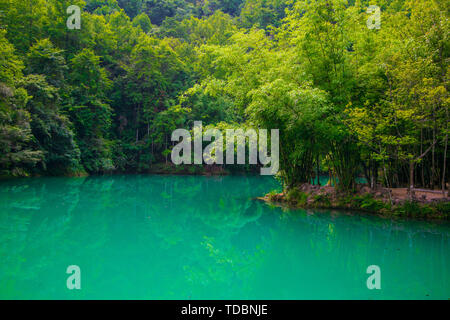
383	202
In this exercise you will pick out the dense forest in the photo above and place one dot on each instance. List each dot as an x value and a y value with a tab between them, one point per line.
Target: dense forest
347	99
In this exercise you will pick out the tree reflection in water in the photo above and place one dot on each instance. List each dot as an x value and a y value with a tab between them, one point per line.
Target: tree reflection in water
181	237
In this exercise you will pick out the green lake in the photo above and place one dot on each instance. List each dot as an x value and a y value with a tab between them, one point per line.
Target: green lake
193	237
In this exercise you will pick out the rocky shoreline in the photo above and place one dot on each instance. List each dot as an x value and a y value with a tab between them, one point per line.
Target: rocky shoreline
394	202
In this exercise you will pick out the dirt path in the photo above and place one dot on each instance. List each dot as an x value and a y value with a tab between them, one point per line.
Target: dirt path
421	194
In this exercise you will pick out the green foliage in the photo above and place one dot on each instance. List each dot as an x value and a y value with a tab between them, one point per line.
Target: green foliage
346	99
263	13
272	195
367	202
443	208
412	209
51	129
142	21
295	196
322	200
43	58
18	150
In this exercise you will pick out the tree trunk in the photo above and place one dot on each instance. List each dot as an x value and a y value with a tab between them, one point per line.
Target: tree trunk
166	148
374	175
445	154
318	168
444	168
411	180
421	151
387	182
433	171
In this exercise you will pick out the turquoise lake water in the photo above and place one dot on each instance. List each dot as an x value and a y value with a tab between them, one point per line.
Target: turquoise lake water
191	237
